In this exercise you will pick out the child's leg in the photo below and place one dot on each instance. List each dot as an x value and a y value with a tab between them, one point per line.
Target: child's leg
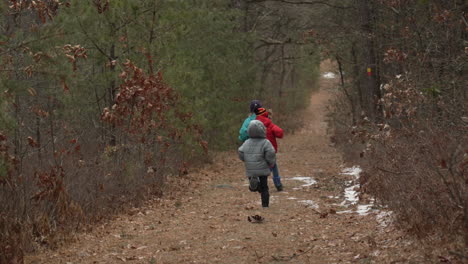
263	189
276	177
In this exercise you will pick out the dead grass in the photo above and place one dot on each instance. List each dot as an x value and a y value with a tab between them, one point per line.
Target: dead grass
414	162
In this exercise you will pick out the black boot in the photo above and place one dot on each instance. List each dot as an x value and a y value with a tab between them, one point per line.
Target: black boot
265	199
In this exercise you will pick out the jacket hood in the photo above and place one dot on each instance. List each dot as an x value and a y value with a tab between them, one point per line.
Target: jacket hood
256	129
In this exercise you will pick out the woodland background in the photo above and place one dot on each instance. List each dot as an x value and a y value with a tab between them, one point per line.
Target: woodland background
103	101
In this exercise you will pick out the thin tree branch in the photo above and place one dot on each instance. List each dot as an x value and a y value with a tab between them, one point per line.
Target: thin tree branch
392	172
270	41
94	43
22	44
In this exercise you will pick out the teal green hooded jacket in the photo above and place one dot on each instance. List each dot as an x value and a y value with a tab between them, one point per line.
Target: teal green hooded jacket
243	136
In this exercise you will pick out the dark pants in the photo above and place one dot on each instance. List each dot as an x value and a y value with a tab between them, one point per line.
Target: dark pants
263	190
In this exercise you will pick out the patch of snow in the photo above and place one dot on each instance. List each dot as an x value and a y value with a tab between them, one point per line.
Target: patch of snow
307	180
345	212
329	75
292	198
310	203
355	171
351	195
364	209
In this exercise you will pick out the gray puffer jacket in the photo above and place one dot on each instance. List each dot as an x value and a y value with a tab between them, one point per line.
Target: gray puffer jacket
257	152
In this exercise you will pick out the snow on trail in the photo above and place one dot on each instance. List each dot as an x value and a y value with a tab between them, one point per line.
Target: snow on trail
309	181
329	75
351	197
310	203
351	194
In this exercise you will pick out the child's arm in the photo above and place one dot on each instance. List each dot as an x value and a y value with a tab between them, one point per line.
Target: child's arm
277	131
270	154
241	152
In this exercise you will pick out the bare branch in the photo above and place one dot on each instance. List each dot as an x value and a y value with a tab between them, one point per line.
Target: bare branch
270	41
92	41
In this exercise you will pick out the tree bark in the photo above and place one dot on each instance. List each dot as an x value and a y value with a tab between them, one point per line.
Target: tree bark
371	87
357	76
112	90
350	98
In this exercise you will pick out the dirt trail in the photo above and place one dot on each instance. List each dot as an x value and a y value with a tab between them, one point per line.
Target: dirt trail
208	223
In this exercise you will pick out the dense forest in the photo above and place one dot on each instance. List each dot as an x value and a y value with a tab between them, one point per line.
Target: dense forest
402	112
102	101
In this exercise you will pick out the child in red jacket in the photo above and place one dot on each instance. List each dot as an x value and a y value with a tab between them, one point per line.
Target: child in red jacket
273	132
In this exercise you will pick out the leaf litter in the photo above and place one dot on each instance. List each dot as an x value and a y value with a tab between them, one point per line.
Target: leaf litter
211	225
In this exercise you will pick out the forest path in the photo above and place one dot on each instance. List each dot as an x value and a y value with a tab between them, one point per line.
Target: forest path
207	223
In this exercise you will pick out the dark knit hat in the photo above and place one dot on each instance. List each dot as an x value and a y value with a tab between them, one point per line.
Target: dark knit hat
254	105
261	111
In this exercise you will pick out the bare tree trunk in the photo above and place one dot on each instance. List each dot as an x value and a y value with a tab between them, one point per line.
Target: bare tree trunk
371	85
282	78
350	98
357	74
466	213
112	90
38	131
52	129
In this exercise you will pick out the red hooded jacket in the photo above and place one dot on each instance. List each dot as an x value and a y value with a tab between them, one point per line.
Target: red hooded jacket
273	131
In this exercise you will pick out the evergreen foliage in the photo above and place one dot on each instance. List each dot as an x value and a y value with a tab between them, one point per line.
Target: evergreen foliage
102	101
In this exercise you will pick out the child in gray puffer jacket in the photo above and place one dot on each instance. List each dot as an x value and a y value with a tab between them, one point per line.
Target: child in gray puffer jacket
258	156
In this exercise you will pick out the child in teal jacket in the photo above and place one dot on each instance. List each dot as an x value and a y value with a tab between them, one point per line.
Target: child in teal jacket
254	105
